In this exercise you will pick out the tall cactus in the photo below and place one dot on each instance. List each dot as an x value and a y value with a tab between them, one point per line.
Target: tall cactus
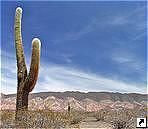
26	81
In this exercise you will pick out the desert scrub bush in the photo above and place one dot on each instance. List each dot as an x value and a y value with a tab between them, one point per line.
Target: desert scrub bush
122	119
35	119
119	124
45	119
100	115
76	117
7	118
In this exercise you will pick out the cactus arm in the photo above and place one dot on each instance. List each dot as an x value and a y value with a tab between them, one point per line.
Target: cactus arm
26	82
22	69
34	66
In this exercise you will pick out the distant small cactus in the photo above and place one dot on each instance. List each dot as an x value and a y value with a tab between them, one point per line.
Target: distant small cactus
69	108
26	81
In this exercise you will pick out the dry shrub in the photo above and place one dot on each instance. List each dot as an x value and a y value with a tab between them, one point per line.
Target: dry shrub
35	119
76	117
119	118
119	124
7	118
122	118
100	115
41	119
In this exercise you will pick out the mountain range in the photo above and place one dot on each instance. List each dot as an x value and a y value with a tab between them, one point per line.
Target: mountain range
91	101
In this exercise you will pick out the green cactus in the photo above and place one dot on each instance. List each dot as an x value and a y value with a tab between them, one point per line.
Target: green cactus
26	82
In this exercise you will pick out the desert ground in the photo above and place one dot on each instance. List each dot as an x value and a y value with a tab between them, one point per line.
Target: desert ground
99	111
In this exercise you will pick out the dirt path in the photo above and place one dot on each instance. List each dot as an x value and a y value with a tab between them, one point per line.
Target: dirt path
91	123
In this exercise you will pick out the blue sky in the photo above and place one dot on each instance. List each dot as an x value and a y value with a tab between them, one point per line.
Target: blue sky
86	46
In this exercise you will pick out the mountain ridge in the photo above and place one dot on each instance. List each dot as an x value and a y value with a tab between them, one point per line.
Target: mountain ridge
91	101
96	96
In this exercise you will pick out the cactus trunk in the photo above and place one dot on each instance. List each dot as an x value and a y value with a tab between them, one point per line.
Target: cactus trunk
26	82
22	100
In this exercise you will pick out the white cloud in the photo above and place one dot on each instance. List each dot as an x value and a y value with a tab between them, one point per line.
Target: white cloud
8	73
139	36
61	78
92	25
129	18
116	19
9	85
126	59
58	78
119	20
6	54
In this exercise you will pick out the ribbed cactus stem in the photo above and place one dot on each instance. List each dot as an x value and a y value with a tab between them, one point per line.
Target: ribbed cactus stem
21	66
34	66
26	82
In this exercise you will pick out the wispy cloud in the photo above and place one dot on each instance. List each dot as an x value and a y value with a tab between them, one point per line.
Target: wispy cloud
57	78
115	25
8	72
134	20
129	18
91	26
119	20
85	29
61	78
127	60
7	55
114	20
139	36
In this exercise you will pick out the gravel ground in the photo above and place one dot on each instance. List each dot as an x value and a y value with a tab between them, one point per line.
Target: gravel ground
91	123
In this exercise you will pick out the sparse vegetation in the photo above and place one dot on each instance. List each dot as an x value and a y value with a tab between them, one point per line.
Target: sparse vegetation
119	119
40	118
124	118
100	115
77	117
